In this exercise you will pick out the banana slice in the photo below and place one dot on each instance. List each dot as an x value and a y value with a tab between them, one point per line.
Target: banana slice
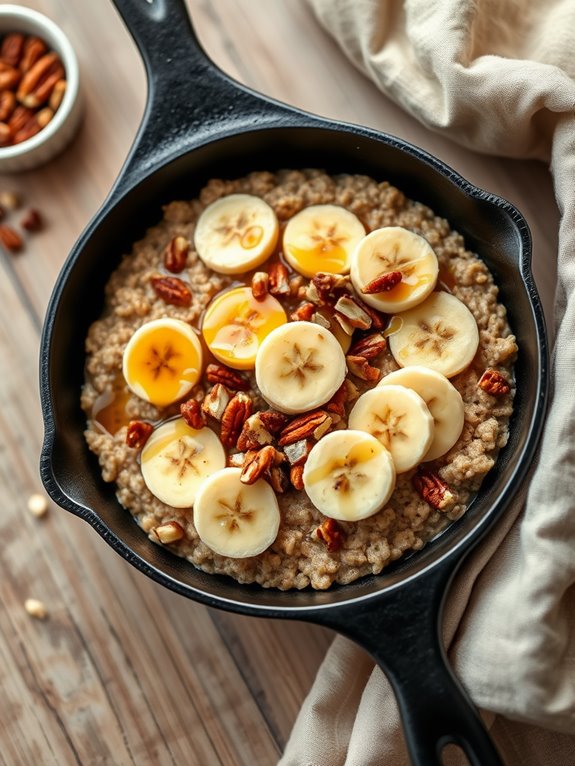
177	459
235	324
349	475
236	233
440	333
390	250
399	419
443	401
299	366
322	238
235	519
162	361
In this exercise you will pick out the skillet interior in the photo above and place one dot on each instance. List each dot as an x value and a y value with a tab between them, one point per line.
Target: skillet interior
491	227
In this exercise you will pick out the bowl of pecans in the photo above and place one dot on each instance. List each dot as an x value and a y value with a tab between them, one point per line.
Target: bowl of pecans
40	106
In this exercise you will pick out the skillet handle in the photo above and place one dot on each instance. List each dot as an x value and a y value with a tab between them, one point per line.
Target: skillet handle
189	97
402	634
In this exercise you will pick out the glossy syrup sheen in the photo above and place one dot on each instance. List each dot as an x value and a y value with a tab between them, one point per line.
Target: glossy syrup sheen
324	257
109	409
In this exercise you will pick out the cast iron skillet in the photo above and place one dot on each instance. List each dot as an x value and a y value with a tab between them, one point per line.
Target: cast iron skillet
199	124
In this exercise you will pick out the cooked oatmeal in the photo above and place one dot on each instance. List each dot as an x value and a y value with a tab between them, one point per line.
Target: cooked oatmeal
299	557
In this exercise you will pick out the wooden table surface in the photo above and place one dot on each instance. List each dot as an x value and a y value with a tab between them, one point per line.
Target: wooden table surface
123	671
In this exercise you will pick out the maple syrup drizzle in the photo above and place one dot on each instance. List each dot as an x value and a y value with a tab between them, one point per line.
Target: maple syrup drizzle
109	409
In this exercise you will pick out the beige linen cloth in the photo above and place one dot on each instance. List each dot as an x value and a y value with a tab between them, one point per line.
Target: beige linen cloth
497	76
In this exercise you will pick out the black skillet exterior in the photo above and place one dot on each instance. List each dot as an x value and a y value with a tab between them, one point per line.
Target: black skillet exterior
198	124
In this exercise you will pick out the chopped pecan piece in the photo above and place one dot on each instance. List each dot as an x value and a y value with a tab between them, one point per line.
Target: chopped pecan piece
321	320
296	476
278	480
353	312
378	320
191	411
303	427
260	282
328	286
297	453
273	420
138	433
278	283
262	462
493	383
383	283
303	313
176	254
236	460
172	290
332	534
216	401
32	221
433	490
169	532
254	434
337	402
235	415
344	323
10	239
218	373
361	368
370	346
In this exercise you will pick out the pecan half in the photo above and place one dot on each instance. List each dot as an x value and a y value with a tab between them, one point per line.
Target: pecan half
10	239
27	131
169	532
433	490
191	411
262	462
12	48
361	368
332	534
353	312
5	134
238	410
176	254
7	104
303	313
216	401
493	383
273	420
296	476
383	283
172	290
21	116
9	76
370	346
138	433
218	373
260	281
34	48
254	434
278	283
57	95
37	83
303	427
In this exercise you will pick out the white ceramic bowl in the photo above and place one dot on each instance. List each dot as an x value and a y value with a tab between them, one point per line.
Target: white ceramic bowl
60	130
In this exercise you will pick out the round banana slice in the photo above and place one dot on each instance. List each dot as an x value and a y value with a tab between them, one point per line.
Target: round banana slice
441	333
235	324
236	233
390	254
235	519
399	419
177	459
299	366
443	401
322	238
349	475
162	361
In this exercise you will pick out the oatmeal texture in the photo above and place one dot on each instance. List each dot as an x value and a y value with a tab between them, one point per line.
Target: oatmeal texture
298	559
